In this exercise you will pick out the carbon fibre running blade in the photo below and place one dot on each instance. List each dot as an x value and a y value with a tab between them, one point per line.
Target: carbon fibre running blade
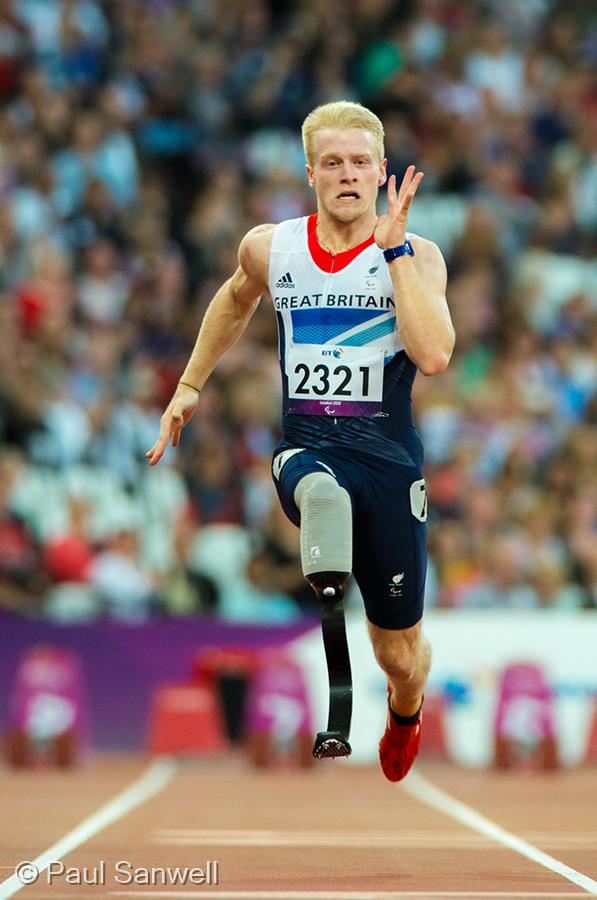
330	745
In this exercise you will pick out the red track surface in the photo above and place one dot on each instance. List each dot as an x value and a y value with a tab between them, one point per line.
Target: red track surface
334	828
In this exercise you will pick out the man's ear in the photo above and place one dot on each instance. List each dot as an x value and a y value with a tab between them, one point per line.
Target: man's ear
310	175
383	176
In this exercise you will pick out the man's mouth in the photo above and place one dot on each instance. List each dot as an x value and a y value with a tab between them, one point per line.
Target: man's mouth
348	195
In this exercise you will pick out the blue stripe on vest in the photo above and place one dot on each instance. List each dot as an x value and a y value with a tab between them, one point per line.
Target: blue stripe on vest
317	326
371	334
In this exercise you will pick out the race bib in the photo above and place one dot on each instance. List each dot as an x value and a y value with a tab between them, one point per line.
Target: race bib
326	380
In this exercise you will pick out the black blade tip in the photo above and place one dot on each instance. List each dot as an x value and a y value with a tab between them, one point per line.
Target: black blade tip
331	745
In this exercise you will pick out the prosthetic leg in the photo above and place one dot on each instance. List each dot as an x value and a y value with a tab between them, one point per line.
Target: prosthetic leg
326	555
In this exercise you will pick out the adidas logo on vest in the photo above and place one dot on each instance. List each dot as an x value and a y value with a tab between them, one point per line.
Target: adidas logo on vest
285	281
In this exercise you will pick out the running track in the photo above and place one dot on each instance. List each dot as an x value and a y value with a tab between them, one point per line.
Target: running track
331	833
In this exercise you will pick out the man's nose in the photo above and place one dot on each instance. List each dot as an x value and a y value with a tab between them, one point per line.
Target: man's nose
349	172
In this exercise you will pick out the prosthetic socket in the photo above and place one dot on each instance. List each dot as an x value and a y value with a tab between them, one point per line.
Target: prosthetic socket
326	534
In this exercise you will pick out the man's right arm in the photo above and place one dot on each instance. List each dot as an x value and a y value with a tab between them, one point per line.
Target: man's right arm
225	320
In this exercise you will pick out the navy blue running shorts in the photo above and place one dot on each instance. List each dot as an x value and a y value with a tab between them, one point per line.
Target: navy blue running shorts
389	508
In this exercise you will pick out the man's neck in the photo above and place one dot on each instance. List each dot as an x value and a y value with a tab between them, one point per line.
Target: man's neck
337	237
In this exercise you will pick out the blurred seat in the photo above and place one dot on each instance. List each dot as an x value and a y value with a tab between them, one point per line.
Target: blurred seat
49	712
185	719
228	673
525	733
590	756
278	719
434	742
38	497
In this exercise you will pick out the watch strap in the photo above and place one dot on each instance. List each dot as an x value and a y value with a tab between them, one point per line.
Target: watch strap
405	249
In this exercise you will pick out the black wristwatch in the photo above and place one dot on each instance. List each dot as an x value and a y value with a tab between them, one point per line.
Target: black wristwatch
405	249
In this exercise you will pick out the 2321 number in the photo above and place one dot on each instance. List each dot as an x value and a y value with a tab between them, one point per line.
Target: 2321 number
322	385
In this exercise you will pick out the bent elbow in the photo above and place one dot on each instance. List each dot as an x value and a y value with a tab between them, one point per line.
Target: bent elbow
435	357
435	365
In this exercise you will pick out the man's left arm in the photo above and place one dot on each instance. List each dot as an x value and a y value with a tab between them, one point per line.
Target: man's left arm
419	281
424	321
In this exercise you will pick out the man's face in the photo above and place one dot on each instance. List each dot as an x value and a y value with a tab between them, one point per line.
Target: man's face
346	172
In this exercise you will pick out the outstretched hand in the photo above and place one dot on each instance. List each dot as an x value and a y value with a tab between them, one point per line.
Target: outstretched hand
390	230
176	415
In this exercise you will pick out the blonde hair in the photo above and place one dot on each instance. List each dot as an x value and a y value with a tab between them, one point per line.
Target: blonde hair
342	114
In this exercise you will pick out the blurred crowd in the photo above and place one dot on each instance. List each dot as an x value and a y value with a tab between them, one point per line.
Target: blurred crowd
139	140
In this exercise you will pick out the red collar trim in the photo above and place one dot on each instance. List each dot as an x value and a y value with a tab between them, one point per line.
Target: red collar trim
326	260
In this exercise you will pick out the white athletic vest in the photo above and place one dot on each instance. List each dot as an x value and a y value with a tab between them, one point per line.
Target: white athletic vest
336	321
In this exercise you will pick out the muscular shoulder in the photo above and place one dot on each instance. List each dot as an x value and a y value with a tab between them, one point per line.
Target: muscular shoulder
425	248
429	260
253	252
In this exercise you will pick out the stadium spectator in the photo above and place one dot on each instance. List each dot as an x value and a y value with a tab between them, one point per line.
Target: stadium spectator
140	140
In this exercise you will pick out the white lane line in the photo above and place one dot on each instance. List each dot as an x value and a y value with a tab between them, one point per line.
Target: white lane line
422	789
344	895
339	839
339	843
413	834
332	844
462	840
153	780
341	895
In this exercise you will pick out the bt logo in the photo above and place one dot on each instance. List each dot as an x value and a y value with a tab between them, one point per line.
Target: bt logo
337	354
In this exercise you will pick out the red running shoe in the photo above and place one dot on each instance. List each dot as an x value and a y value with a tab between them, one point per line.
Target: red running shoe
399	746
